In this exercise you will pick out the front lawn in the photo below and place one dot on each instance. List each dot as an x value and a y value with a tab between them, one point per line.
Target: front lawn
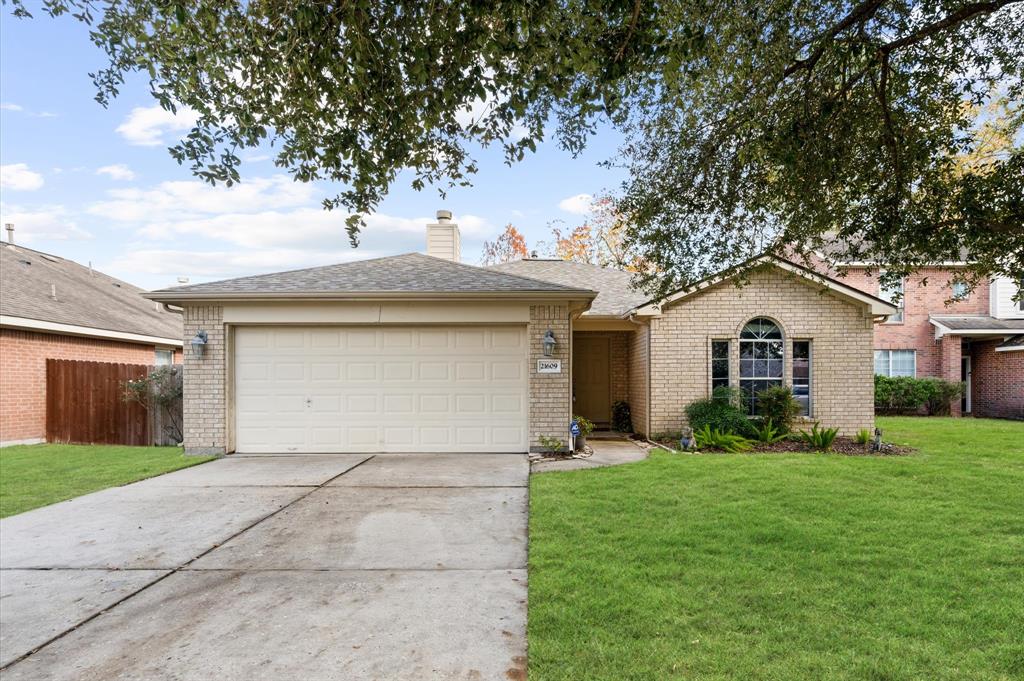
37	475
786	566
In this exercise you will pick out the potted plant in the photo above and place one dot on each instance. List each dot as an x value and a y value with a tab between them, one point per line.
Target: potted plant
586	428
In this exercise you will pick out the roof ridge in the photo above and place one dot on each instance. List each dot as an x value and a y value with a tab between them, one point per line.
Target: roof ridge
488	269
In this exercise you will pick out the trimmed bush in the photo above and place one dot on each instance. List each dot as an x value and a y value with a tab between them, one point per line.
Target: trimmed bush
778	406
908	395
719	412
622	417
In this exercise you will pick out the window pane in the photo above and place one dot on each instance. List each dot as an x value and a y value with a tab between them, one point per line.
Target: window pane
761	328
802	375
882	362
720	350
164	357
903	363
720	368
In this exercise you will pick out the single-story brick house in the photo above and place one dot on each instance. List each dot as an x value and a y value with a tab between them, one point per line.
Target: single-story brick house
423	353
54	308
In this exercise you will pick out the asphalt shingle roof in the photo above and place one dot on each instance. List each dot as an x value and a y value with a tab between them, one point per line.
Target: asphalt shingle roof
84	297
979	323
1013	342
408	273
615	295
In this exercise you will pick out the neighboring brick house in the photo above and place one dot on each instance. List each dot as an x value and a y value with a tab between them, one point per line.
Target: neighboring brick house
52	308
421	353
943	331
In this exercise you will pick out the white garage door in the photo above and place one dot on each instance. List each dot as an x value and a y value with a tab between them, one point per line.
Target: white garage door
380	389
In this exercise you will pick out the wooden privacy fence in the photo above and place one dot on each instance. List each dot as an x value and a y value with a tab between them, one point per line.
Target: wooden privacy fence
85	405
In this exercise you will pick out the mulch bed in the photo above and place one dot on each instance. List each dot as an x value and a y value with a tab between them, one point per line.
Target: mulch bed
842	445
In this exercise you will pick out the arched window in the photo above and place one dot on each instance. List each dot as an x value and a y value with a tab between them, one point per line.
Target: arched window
761	359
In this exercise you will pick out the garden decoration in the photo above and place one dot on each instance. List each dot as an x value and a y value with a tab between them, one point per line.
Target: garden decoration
876	446
686	440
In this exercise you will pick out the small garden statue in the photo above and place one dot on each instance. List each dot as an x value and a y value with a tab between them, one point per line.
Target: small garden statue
876	446
686	441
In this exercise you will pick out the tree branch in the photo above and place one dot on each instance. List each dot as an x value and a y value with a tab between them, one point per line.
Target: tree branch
632	29
861	13
963	14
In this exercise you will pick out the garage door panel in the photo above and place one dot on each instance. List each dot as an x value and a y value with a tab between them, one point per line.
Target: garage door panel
380	389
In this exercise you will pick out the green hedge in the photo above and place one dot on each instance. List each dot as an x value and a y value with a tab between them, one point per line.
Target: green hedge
906	395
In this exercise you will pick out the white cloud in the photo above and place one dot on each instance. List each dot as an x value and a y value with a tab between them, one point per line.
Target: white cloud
256	158
8	106
145	126
207	265
188	199
577	205
42	223
19	177
117	171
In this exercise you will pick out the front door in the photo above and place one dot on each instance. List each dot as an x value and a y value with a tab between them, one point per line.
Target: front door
591	372
965	376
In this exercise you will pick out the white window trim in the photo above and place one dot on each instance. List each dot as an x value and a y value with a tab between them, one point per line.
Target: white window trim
890	351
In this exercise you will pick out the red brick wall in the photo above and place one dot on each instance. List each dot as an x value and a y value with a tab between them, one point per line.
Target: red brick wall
925	293
23	356
998	381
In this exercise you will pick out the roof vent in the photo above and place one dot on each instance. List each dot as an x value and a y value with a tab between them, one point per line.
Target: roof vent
10	233
53	291
443	238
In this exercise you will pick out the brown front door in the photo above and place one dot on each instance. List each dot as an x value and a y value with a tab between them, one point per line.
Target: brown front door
591	377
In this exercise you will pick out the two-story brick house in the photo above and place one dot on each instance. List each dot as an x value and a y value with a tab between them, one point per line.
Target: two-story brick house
945	331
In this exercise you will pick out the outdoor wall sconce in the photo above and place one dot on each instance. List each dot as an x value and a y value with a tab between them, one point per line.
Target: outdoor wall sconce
549	343
198	343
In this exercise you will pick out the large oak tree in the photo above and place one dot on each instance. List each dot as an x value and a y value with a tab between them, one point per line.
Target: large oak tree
752	125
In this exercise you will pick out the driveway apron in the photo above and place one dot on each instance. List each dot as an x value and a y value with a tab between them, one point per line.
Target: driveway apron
276	567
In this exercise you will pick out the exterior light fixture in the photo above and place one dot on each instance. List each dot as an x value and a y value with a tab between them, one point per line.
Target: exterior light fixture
198	343
549	343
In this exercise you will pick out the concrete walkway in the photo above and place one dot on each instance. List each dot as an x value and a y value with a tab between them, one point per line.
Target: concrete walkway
275	567
606	453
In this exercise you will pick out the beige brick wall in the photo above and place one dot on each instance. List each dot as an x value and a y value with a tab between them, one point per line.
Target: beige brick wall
638	379
204	382
841	334
549	393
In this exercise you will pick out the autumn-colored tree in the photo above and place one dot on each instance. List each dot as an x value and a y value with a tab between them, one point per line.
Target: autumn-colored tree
601	240
576	245
509	246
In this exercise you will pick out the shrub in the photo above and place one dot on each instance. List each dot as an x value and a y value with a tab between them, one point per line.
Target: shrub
160	392
720	411
908	395
941	395
551	444
778	406
863	436
622	417
586	427
712	438
820	439
767	432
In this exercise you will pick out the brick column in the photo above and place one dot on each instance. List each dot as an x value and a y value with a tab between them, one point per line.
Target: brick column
949	365
204	383
549	393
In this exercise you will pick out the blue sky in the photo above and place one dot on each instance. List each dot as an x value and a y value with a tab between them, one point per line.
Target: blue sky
97	185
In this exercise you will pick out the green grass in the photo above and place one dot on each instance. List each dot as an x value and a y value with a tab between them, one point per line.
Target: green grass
37	475
787	566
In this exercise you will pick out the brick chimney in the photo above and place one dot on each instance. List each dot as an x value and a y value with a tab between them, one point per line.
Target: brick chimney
443	239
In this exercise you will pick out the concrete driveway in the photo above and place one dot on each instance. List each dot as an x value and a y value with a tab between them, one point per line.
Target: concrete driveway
276	567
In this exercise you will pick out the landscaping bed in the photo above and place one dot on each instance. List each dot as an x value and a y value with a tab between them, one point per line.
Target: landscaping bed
841	445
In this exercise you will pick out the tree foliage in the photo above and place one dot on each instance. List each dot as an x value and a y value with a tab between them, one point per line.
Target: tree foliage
510	245
754	125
